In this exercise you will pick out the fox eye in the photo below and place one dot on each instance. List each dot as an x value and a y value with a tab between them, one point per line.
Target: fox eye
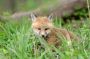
46	28
39	28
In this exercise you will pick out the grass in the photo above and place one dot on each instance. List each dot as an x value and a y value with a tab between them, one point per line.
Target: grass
17	41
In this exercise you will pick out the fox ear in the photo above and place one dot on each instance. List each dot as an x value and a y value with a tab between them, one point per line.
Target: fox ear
33	17
50	17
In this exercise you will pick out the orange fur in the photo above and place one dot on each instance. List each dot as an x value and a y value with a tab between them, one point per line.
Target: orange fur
41	23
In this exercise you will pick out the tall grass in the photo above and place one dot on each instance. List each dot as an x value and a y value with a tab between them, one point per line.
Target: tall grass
17	41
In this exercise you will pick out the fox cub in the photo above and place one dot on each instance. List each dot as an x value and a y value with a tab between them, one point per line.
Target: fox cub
44	27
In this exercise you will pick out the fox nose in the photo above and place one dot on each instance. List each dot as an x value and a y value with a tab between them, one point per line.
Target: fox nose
43	36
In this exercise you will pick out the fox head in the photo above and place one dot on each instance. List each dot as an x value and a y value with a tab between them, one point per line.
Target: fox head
41	25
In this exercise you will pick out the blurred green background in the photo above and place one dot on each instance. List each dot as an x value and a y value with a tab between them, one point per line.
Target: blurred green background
21	5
